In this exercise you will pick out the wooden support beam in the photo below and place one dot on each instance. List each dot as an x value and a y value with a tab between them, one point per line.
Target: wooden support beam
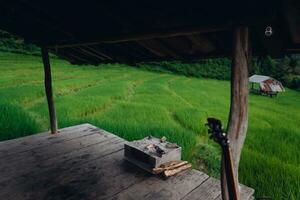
158	48
178	45
96	51
91	53
147	45
292	16
90	57
201	43
238	116
48	89
147	36
75	57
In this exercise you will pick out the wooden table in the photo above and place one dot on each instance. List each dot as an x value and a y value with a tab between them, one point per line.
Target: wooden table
85	162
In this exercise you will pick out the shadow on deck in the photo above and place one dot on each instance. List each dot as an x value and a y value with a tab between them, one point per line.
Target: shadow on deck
85	162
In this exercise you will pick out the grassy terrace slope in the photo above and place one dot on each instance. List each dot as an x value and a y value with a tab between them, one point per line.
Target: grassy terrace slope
134	103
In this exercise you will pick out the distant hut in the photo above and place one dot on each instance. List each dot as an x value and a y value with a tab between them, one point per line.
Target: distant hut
266	85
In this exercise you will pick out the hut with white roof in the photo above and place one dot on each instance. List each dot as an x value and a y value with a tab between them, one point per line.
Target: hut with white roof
267	85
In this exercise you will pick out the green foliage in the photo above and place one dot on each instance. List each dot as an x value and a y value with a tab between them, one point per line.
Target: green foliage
286	70
134	103
285	184
209	159
295	82
14	44
209	68
192	119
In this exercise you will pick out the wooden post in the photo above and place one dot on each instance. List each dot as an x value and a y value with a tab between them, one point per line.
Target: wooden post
238	116
48	89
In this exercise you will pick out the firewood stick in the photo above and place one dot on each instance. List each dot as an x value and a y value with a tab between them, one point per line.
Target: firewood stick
171	172
157	170
176	165
169	166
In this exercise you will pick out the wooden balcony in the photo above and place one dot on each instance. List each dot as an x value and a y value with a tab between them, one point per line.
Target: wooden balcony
85	162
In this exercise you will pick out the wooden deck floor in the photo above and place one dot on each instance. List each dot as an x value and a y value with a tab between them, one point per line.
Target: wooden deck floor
85	162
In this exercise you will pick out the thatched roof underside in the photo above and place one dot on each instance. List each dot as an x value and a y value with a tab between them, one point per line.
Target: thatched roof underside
93	32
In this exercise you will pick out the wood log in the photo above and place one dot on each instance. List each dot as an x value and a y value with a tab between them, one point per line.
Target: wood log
169	166
48	89
172	163
238	116
172	172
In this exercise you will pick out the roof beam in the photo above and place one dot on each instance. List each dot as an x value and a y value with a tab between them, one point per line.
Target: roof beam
156	51
201	43
159	47
147	36
91	54
97	52
75	58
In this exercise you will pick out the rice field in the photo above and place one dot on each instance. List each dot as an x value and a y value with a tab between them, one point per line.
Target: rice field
134	103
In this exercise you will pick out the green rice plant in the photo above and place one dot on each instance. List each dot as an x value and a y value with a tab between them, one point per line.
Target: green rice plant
271	176
208	159
134	103
192	119
16	122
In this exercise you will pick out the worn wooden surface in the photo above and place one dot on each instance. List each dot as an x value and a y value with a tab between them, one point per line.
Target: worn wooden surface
84	162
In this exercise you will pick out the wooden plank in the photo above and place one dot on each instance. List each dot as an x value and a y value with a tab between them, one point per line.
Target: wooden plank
30	165
10	147
43	134
62	167
246	194
116	175
175	187
81	140
219	198
36	142
9	166
49	92
210	189
99	179
91	166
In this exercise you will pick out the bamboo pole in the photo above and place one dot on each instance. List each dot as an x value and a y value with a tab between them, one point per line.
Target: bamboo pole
48	90
238	116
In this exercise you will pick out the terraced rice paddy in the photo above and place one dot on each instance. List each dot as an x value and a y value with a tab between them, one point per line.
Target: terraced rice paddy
134	103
